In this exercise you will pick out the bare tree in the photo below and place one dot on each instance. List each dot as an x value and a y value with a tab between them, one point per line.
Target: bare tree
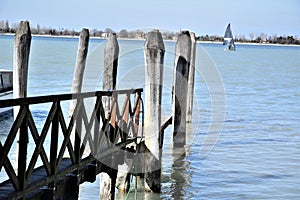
38	28
251	35
123	33
6	28
1	25
109	30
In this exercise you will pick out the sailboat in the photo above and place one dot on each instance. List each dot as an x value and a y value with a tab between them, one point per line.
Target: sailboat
228	39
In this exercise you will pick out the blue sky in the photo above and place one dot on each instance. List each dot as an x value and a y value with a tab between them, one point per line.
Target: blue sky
280	17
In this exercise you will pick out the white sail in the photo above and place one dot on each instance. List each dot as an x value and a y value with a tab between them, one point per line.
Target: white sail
228	39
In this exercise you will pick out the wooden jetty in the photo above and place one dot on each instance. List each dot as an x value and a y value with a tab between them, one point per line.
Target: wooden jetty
58	174
96	142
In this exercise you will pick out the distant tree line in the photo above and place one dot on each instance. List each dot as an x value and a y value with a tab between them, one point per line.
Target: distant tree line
260	38
5	27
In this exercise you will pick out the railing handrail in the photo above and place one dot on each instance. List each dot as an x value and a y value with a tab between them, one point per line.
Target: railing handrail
63	97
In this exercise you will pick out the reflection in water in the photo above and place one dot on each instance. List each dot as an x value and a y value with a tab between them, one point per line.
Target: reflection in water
180	177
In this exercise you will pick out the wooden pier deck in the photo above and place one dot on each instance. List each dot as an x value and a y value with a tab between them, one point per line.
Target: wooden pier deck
59	176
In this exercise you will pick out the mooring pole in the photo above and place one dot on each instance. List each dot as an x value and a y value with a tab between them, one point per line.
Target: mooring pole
72	190
22	43
80	65
181	73
111	54
191	79
154	56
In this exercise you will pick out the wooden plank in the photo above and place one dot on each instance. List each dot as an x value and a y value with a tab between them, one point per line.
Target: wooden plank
62	97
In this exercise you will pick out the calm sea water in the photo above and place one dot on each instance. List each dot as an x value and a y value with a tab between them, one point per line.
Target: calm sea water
257	153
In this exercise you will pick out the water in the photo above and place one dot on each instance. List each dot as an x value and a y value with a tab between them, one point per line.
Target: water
257	154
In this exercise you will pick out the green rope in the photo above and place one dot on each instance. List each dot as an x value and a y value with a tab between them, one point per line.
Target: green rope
135	192
130	188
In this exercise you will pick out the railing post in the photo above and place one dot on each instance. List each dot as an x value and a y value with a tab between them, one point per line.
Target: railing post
190	92
22	148
154	56
53	149
78	130
111	54
137	113
22	43
181	73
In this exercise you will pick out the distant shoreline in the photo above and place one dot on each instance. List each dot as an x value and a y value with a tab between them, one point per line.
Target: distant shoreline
142	39
250	43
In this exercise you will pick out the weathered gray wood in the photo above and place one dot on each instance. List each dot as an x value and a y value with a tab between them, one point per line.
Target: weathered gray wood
22	43
180	87
80	65
190	92
72	171
154	56
111	54
82	52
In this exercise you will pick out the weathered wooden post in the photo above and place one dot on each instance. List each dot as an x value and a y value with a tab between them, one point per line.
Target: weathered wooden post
72	190
190	92
154	57
22	43
111	54
180	88
80	65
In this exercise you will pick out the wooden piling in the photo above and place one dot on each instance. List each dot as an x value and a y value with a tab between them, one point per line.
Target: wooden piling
22	43
111	54
154	56
180	87
80	65
190	92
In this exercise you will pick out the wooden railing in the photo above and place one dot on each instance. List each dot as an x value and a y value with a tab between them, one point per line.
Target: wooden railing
117	129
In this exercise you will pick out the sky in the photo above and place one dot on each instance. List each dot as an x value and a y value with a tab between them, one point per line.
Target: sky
281	17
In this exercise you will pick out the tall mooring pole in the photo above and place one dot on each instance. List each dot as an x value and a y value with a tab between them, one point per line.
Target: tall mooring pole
180	84
154	55
22	43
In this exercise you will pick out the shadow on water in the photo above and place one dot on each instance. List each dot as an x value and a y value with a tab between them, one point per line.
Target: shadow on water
6	121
